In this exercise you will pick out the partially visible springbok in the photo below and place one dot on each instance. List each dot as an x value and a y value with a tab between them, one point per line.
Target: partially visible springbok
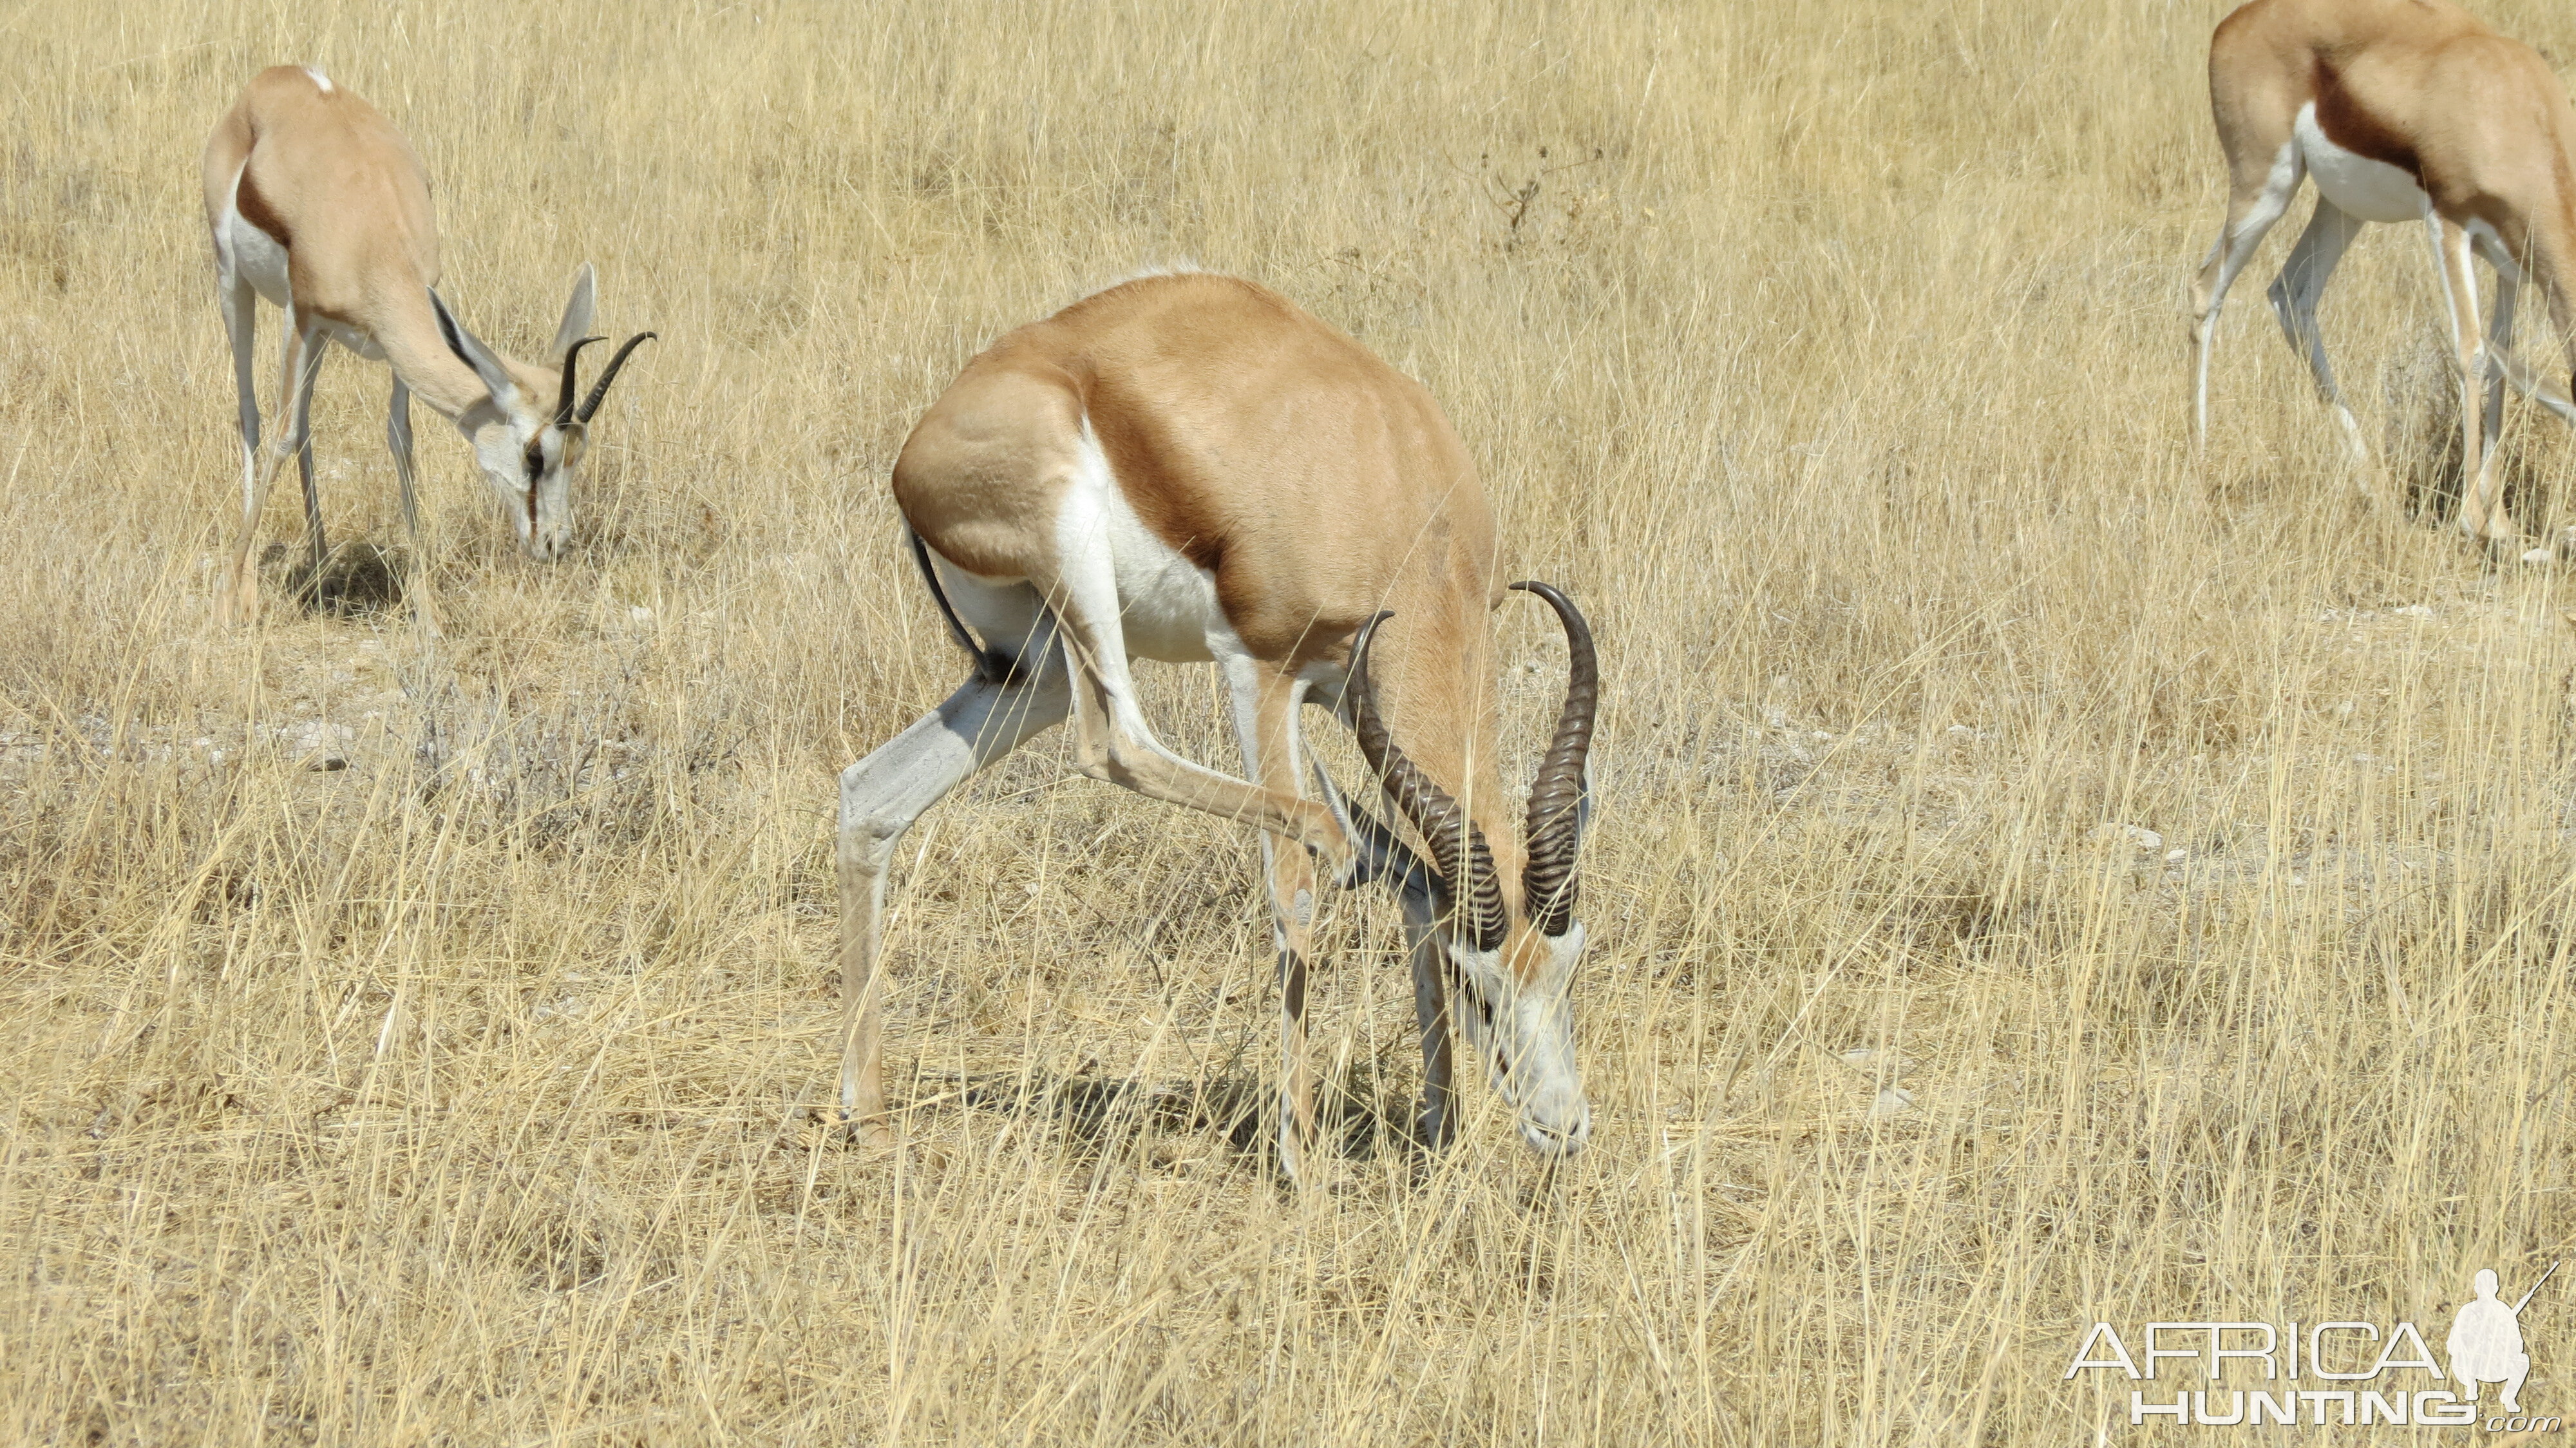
318	204
2403	111
1187	467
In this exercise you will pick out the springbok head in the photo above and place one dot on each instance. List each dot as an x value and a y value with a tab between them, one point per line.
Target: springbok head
528	454
1511	973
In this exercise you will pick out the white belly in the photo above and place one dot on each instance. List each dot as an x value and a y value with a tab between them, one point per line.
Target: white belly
254	256
1167	605
2364	188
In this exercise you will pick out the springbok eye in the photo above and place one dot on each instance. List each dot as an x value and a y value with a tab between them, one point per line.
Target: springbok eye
1460	986
536	461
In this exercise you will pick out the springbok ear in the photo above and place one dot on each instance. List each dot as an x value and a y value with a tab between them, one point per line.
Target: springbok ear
1377	855
1583	801
576	317
472	352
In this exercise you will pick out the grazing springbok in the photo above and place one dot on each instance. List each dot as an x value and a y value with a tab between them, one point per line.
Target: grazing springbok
318	204
2403	111
1187	467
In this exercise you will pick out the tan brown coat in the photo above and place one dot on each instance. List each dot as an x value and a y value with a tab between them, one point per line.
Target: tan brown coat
2400	110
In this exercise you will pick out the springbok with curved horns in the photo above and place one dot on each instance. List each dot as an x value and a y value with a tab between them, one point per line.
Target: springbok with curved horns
2403	111
1187	467
319	205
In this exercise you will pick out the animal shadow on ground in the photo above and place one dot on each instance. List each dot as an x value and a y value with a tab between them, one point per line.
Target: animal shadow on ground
355	578
1359	1116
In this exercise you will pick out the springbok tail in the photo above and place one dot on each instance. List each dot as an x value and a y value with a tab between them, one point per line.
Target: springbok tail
991	665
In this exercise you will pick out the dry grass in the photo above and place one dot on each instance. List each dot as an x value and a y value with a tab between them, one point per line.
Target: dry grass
1833	355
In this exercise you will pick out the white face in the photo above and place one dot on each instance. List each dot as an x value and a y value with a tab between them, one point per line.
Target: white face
1525	1033
530	469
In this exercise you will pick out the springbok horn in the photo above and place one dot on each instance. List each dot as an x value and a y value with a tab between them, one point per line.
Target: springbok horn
1380	855
563	404
1458	849
599	391
1554	833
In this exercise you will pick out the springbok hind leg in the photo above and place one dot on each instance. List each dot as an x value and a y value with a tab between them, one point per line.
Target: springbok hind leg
2253	206
2294	295
239	601
1114	743
315	343
881	796
240	308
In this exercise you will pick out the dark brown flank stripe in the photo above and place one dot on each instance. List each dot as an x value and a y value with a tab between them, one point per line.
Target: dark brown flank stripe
2347	125
254	208
1126	427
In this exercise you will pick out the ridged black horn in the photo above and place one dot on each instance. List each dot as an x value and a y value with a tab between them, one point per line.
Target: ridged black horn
591	403
1458	849
571	389
1554	835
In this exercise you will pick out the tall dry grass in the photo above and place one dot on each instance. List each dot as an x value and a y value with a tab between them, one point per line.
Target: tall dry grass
1831	354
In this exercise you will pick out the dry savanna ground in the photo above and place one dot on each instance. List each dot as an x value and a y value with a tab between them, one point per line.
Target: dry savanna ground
1832	355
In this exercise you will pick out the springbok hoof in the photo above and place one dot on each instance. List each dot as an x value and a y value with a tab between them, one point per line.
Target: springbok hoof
872	1133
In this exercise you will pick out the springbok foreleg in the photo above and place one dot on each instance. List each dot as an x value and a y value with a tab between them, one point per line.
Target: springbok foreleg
1437	1125
2500	363
398	442
881	796
2519	375
2482	515
1384	859
2503	363
1265	724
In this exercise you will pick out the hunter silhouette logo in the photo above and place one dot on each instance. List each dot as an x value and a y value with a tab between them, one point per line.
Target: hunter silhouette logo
2486	1341
2363	1375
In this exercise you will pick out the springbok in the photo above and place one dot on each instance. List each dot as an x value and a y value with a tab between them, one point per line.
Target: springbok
2403	111
318	204
1186	467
